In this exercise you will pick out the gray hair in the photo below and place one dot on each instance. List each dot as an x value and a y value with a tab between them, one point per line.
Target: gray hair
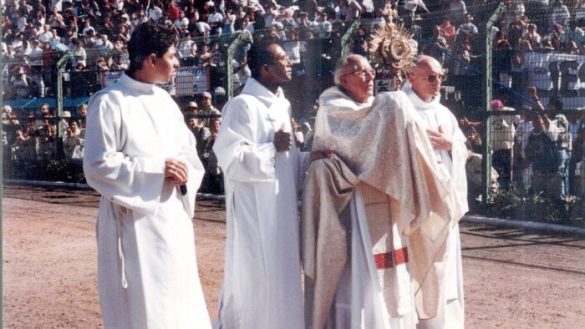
346	65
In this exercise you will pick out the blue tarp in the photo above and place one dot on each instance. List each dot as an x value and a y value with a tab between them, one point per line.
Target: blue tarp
35	103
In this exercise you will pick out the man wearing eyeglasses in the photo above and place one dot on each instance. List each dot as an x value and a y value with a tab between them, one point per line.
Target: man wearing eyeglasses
262	166
378	185
448	141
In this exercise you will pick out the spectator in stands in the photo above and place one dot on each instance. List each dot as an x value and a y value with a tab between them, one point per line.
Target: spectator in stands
23	149
558	131
36	55
104	45
203	28
10	124
215	21
541	153
45	136
580	13
214	173
207	109
471	131
190	110
448	31
87	27
173	11
518	28
559	14
462	68
438	45
467	29
102	67
458	11
574	34
242	71
201	134
503	130
522	171
78	52
474	170
56	20
73	142
155	12
82	114
532	36
21	83
118	64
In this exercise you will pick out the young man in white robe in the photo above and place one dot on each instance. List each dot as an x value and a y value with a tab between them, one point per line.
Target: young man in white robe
448	141
141	157
262	169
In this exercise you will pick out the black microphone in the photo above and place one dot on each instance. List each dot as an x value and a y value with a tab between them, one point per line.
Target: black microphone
183	189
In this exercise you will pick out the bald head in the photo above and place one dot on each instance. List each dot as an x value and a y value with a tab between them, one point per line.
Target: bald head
423	61
426	77
355	77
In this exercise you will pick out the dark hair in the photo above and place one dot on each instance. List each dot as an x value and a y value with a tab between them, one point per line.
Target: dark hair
149	38
259	55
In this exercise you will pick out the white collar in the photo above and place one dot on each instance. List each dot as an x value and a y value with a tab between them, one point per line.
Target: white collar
258	90
418	103
147	88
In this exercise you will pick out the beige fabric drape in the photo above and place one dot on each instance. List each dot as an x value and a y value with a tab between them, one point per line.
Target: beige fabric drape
385	147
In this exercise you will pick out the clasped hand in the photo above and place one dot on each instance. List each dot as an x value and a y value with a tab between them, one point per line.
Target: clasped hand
176	172
282	140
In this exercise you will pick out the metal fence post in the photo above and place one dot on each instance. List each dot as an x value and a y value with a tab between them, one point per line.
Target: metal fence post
229	64
60	67
346	37
487	88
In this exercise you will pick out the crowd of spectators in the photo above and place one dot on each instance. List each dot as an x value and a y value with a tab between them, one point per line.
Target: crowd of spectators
537	151
95	33
204	119
34	139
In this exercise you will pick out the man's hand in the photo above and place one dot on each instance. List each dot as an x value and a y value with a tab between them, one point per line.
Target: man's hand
176	172
282	141
439	140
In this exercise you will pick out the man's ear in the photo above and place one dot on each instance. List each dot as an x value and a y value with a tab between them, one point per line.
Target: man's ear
410	75
151	59
265	69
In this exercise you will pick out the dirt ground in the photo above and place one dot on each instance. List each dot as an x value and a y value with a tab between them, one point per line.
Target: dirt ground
513	279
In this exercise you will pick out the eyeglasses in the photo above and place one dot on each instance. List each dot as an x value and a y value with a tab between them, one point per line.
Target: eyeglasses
434	77
363	72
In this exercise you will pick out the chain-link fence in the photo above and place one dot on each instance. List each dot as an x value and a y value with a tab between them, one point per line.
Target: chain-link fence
503	83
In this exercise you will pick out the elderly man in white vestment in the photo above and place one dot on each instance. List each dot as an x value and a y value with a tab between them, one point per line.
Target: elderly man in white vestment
448	141
262	168
394	237
142	159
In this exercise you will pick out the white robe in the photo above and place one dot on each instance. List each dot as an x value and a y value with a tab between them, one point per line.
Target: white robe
451	313
415	218
385	295
262	280
147	268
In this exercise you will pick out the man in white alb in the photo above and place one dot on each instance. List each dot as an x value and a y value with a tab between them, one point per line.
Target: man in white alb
262	169
448	141
141	158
